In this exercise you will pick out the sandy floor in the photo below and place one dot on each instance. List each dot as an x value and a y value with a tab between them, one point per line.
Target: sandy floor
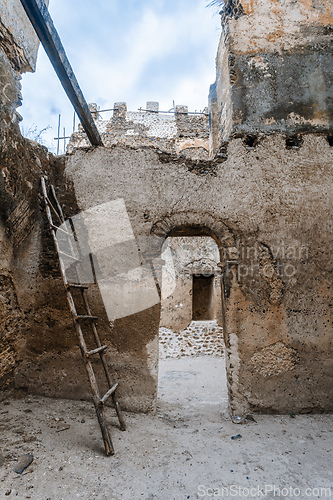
183	452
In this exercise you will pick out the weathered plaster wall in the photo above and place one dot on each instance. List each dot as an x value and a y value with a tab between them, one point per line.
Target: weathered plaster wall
220	99
274	68
18	38
27	277
27	280
270	207
267	204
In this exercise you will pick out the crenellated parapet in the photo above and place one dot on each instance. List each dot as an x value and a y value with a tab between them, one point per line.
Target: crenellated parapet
175	131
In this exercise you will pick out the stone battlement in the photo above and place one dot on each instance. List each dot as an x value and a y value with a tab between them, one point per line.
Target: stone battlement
175	131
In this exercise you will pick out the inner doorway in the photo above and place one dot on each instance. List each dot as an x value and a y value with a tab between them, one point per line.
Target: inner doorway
203	298
192	373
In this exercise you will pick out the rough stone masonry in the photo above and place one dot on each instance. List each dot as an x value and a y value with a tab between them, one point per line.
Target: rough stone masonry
264	194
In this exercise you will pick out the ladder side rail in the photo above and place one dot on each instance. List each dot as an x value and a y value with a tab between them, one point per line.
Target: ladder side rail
87	307
76	239
49	202
70	299
106	371
120	416
54	236
96	336
79	250
57	203
84	351
91	375
69	239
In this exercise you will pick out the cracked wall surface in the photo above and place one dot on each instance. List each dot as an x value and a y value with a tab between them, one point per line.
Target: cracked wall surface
25	269
17	37
264	206
265	196
274	69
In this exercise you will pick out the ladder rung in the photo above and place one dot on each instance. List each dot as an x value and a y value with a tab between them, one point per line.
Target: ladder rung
76	285
96	351
57	228
69	256
108	394
86	316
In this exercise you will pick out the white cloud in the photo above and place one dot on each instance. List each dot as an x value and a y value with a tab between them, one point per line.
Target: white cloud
127	55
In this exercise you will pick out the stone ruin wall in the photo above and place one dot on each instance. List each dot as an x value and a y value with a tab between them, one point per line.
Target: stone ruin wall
176	132
199	338
274	70
265	206
27	272
265	197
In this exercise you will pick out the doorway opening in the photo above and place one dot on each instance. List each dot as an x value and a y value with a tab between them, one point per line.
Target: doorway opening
203	298
192	373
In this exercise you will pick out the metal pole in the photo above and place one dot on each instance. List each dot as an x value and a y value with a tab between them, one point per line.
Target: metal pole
58	134
41	20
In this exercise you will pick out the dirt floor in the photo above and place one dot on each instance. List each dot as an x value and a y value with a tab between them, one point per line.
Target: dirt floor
185	451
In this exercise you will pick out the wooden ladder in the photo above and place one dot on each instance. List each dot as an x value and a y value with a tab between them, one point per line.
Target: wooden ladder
81	320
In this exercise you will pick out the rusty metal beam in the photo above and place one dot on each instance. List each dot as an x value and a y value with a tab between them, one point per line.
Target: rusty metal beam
42	22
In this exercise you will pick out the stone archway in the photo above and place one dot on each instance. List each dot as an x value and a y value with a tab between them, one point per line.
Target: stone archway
195	224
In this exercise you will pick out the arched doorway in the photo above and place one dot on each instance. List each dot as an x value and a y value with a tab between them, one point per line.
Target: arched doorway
192	224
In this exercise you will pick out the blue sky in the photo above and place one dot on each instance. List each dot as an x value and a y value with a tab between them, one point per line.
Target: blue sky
125	50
